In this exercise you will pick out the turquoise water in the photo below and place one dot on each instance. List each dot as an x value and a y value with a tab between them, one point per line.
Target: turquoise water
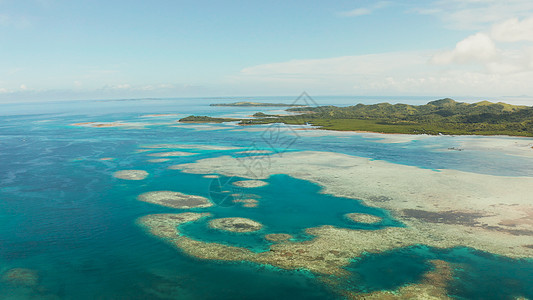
65	216
286	205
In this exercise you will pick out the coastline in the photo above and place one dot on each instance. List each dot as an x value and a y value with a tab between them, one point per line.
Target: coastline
318	127
417	134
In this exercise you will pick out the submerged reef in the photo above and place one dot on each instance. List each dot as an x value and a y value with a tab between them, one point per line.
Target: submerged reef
328	253
250	183
239	225
166	225
363	218
432	286
21	277
277	237
131	174
175	199
441	209
246	202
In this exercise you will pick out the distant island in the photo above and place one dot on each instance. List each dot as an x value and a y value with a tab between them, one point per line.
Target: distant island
444	116
245	103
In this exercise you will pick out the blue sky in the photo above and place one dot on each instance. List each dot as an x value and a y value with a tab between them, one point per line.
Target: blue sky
54	50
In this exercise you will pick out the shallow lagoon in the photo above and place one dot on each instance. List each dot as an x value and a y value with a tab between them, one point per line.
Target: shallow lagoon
286	205
66	217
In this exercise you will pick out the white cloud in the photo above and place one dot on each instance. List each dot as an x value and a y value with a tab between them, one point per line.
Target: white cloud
361	11
503	49
513	30
530	56
150	87
123	86
335	75
475	48
141	88
476	14
356	12
346	65
397	73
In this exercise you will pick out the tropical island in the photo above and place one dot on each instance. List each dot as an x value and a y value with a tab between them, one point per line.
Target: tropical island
246	103
444	116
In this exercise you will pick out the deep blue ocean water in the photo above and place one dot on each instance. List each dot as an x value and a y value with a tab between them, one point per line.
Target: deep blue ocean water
65	216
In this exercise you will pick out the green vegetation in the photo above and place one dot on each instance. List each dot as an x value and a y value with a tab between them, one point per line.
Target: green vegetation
444	116
244	103
263	115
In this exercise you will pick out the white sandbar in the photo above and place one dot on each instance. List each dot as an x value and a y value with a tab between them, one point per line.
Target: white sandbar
190	146
171	154
250	183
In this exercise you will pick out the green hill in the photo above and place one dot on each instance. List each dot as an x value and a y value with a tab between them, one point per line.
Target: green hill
444	116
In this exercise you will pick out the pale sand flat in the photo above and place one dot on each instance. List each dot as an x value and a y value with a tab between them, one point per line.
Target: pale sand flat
131	174
508	145
142	150
123	125
211	176
254	152
190	146
363	218
171	154
175	199
238	225
158	160
250	183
